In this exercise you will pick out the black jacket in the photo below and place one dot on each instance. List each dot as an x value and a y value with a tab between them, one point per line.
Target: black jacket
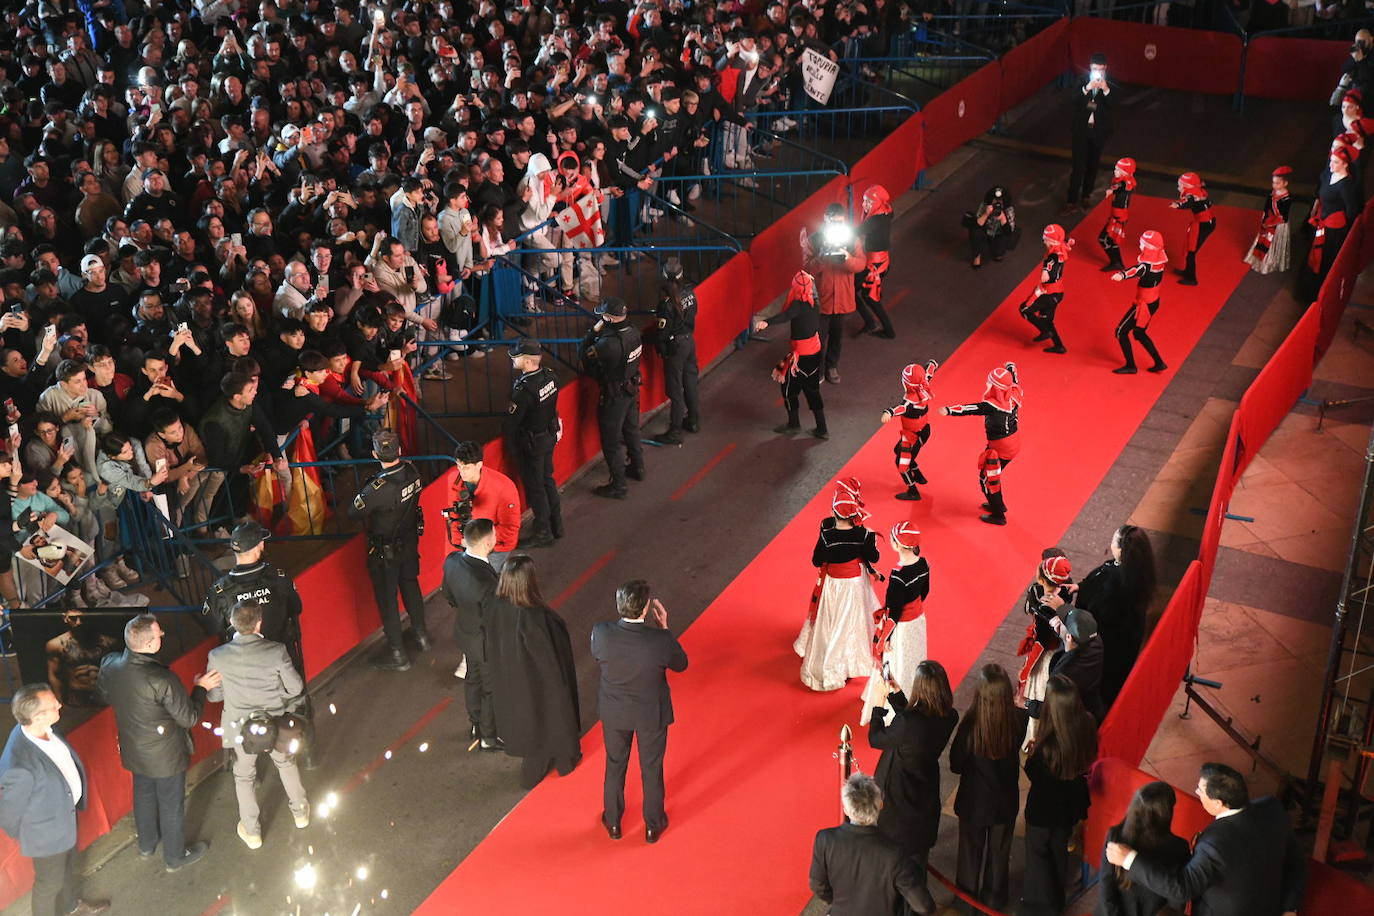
153	713
909	772
1083	666
1246	864
468	582
860	872
989	790
1138	900
35	800
634	659
262	582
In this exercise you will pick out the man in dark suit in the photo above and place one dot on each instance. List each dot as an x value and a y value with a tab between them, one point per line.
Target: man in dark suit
153	714
1081	659
1246	863
1092	125
859	871
42	786
469	579
634	653
257	674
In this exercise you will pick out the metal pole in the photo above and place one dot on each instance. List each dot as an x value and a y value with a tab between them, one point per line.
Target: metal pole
845	755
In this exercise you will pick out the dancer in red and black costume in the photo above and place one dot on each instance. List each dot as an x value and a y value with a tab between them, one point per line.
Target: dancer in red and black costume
899	626
1044	632
876	234
1192	196
800	372
836	642
1114	232
1000	409
1150	273
1044	299
1269	253
1338	203
915	425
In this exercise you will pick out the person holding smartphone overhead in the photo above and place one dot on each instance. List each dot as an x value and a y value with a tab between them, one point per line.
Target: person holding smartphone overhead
1092	126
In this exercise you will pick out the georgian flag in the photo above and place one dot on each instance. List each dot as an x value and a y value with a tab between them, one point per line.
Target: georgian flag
581	222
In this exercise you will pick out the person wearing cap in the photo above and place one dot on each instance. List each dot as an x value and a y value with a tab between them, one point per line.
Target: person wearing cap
1081	658
532	428
156	201
677	320
1092	125
611	353
252	578
1271	250
388	504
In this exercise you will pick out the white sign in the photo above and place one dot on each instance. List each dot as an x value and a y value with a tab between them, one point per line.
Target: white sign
818	75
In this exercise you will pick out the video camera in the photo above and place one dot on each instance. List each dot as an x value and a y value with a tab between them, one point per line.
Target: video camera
836	235
457	516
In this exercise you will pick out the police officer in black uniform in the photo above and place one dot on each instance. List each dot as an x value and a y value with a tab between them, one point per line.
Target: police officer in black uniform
611	352
532	429
389	506
677	320
253	578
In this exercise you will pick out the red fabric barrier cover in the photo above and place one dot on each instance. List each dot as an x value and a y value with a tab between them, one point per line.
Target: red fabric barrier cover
776	251
1340	282
1155	55
1302	69
1033	63
962	112
1278	386
893	163
1111	783
1148	691
725	303
1220	502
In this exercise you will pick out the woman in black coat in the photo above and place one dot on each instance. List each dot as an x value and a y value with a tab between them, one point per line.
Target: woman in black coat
1065	746
1118	595
986	755
909	768
1145	828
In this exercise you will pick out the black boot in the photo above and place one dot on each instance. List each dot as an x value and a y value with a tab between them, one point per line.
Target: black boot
392	659
917	476
791	427
911	494
820	432
997	510
1056	345
1188	275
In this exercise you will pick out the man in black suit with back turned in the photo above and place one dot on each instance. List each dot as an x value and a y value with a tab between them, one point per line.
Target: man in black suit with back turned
1246	863
468	581
634	653
859	871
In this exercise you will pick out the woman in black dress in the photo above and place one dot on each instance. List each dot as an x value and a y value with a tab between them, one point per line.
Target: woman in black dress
909	768
1145	828
1065	745
1118	595
986	755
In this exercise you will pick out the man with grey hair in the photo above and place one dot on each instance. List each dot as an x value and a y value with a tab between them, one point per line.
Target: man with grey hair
257	674
42	786
856	869
154	715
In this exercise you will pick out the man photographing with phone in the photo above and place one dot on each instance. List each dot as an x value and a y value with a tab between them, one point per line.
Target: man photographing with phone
1092	125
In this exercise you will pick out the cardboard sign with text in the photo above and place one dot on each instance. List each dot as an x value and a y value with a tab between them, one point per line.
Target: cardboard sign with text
818	75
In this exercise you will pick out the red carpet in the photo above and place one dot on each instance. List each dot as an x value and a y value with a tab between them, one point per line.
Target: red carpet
750	777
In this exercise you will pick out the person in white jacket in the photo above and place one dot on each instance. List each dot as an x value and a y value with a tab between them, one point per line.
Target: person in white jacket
539	190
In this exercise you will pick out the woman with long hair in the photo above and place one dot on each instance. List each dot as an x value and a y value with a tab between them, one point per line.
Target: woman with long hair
836	641
909	768
243	309
986	755
1065	746
1118	595
1145	828
534	676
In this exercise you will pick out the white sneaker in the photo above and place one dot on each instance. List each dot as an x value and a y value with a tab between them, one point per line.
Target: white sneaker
694	192
673	198
110	576
780	126
730	160
250	840
129	575
301	817
609	260
437	373
748	183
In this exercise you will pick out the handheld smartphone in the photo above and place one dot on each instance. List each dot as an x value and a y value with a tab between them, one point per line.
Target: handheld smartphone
160	465
395	355
182	328
237	239
324	284
67	443
50	331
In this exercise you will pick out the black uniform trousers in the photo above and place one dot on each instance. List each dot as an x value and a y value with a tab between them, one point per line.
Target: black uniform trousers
1087	153
983	863
54	884
617	416
1045	885
534	455
392	569
653	745
680	382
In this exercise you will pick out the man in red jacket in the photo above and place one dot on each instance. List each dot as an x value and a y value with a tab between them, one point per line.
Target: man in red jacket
481	492
833	256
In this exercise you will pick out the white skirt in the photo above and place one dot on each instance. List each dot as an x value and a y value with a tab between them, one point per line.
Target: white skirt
1036	684
839	644
906	649
1279	257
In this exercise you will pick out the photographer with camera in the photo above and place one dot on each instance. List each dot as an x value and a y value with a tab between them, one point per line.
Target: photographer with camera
833	255
1357	73
480	492
992	227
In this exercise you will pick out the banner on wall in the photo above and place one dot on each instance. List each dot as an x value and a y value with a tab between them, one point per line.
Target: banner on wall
818	75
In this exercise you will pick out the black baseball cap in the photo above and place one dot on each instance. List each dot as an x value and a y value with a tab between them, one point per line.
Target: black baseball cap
386	444
526	346
1080	624
247	536
613	306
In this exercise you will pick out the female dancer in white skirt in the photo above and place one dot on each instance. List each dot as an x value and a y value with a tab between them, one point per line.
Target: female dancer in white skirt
899	637
1270	251
836	641
1052	588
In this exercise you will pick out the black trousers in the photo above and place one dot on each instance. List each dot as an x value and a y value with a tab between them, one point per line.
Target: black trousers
1087	153
1040	314
832	338
617	416
987	246
160	814
1045	883
535	458
984	860
680	374
54	884
806	381
477	687
391	569
652	747
1127	328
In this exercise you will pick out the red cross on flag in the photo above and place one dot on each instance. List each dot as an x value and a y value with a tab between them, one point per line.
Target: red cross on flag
581	222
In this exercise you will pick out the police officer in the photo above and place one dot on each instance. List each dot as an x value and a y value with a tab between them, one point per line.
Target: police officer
532	429
677	319
389	506
611	353
253	578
